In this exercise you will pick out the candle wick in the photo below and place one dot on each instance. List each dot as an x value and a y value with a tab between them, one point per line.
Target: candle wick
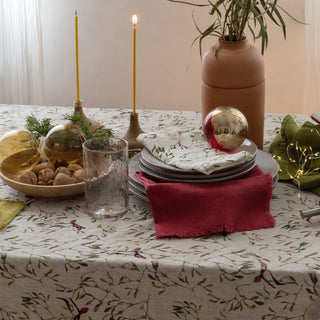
75	12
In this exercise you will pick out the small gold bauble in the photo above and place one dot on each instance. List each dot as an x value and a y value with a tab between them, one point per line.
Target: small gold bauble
63	144
18	152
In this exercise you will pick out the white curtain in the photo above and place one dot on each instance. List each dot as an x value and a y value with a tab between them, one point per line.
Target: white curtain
312	76
21	57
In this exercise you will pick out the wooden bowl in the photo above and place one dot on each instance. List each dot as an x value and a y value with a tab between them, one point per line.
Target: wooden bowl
39	191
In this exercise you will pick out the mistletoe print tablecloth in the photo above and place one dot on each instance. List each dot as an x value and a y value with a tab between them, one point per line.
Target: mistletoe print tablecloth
56	262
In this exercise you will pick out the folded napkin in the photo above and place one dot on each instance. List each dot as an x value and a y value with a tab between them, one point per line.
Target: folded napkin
297	151
191	210
189	151
8	210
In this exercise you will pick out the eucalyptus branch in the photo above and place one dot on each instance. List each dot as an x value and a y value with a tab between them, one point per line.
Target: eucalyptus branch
244	17
231	17
190	3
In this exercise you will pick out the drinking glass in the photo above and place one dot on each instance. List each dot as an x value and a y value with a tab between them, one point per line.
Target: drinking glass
105	162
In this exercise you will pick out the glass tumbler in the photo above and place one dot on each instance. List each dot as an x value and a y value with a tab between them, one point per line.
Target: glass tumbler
105	163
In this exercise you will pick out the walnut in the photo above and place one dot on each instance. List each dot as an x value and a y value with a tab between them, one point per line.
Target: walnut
28	177
78	175
74	167
45	176
62	179
43	165
62	170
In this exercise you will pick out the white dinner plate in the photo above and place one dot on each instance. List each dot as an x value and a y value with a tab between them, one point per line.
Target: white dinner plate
137	192
137	185
133	167
268	164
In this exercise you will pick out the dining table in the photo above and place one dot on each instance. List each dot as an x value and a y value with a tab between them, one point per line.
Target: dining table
58	262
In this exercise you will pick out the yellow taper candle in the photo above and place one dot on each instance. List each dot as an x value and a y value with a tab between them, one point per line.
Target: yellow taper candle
77	55
134	21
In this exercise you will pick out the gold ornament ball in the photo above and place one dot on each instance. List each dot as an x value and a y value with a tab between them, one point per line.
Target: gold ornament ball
63	144
19	152
225	128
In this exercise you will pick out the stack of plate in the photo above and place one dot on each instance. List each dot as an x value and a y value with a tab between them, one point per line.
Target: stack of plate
161	171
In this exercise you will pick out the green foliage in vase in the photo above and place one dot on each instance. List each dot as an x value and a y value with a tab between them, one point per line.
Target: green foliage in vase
231	18
38	128
101	131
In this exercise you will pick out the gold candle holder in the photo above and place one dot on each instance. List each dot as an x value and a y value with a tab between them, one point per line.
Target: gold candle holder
133	131
78	109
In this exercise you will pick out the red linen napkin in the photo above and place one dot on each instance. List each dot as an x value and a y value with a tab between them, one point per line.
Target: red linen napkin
191	210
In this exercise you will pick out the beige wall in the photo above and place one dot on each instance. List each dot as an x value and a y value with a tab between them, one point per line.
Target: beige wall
285	64
168	69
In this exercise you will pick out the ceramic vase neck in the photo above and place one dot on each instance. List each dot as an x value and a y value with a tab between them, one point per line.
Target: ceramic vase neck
233	44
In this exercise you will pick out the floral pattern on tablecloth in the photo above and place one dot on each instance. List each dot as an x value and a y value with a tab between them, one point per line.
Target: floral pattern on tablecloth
190	151
56	262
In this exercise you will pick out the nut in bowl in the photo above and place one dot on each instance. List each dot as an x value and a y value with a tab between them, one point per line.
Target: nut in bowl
44	191
44	180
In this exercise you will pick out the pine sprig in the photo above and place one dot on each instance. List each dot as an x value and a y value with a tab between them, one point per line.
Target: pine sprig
101	131
38	128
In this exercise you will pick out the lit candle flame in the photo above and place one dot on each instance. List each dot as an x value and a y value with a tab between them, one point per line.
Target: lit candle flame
134	20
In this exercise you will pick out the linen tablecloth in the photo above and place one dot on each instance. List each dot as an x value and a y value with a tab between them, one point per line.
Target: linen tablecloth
56	262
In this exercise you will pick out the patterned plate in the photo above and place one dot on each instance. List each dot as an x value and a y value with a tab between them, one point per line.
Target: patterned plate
247	146
203	179
195	175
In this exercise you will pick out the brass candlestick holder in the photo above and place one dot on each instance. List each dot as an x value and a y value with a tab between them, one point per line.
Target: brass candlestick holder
133	131
78	109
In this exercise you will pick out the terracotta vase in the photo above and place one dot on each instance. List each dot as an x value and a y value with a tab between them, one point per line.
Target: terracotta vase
233	75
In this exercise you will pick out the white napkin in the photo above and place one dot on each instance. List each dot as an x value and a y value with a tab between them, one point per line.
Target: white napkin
189	151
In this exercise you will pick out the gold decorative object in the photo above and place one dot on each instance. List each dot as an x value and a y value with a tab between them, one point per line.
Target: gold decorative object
225	128
63	144
18	152
78	110
133	131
